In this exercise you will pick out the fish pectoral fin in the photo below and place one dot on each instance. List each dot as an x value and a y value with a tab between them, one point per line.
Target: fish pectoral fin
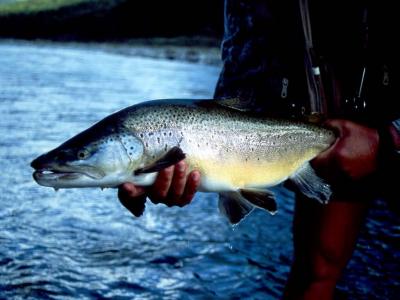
310	184
233	206
136	207
172	157
261	198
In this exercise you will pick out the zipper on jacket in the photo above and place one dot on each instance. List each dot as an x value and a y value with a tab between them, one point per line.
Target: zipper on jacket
284	91
385	79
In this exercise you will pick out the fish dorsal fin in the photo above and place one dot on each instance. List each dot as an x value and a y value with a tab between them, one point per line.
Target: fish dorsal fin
234	207
261	198
314	118
310	184
234	103
172	157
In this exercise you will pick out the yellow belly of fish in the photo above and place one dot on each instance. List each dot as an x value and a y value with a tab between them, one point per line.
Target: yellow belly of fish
235	174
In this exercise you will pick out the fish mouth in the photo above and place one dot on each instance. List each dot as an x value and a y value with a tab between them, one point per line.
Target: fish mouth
53	176
56	175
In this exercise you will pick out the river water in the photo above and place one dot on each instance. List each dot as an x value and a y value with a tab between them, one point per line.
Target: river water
82	244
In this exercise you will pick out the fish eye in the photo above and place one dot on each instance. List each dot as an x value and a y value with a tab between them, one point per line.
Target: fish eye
83	154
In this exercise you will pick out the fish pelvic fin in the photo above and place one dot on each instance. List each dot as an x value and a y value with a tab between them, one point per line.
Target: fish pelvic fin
311	185
237	205
234	207
263	199
173	156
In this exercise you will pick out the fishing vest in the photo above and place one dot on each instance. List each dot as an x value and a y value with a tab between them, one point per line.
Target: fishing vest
302	57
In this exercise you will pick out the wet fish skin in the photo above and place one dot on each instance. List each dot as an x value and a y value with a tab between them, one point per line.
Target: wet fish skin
233	150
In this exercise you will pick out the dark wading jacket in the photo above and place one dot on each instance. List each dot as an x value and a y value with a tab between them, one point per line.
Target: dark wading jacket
263	54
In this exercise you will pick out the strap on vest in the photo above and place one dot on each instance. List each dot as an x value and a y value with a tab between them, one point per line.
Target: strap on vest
316	91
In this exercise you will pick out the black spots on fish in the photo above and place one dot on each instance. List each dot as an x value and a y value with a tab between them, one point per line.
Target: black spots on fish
141	135
166	147
170	133
147	145
158	140
150	133
190	116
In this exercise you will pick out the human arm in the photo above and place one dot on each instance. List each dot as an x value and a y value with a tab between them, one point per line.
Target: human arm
173	187
325	235
358	152
324	239
354	154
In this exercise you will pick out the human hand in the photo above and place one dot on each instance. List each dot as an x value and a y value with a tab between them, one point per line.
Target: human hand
173	187
354	154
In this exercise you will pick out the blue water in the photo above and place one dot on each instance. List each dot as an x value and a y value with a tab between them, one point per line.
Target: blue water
82	244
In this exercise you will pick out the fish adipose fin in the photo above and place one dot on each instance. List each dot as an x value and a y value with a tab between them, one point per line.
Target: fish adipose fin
172	157
311	185
237	205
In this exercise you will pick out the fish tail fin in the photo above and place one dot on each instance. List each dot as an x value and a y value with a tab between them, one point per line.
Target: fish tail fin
311	185
237	205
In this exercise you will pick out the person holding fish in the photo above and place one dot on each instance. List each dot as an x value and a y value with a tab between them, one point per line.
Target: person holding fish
296	59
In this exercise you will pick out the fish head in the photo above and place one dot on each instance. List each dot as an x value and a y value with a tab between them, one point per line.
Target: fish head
93	158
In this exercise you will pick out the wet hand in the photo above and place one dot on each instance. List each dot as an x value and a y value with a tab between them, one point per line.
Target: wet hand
173	187
352	156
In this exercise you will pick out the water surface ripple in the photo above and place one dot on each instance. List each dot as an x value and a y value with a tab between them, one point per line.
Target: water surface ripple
82	244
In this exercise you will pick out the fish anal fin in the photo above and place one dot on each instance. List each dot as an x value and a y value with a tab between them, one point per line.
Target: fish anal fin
261	198
234	207
172	157
311	185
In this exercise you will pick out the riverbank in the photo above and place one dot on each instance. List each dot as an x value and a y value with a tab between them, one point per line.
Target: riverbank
89	20
200	50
